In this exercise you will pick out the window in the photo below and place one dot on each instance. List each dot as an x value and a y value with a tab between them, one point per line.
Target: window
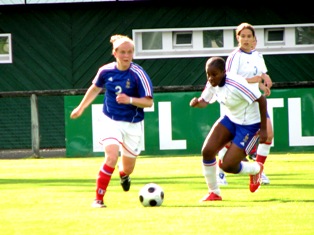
235	40
220	41
304	35
274	36
213	38
152	40
182	39
5	48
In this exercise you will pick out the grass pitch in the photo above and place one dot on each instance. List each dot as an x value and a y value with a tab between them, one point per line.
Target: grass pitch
53	196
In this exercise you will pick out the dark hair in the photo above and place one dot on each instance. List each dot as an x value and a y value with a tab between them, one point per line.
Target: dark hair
217	62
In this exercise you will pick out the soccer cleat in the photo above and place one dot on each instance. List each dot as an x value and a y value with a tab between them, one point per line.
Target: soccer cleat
125	183
265	179
211	197
255	180
98	204
252	156
221	179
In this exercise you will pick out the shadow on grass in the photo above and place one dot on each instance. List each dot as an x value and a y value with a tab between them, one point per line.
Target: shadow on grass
236	204
47	182
192	181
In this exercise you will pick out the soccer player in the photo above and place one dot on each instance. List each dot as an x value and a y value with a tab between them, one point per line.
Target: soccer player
128	90
243	124
249	63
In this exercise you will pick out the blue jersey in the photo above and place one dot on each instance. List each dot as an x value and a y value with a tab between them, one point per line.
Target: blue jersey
133	82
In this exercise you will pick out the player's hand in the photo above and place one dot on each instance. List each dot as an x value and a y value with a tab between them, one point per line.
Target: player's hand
198	102
123	98
267	91
194	102
76	113
255	79
267	81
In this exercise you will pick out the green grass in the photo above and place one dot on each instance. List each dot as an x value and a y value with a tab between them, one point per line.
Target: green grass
53	196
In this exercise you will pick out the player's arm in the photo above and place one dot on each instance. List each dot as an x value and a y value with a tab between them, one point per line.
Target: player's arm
266	79
263	110
255	79
142	102
88	98
198	102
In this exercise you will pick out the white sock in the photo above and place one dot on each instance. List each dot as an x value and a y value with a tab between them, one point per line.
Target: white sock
263	149
221	155
219	170
209	172
249	168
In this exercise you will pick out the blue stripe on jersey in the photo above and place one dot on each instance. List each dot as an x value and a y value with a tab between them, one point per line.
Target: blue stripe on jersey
241	88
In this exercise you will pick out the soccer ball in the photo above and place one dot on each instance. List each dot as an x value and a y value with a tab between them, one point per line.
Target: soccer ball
151	195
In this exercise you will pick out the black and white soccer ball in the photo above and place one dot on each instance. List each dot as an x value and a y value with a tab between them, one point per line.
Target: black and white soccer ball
151	195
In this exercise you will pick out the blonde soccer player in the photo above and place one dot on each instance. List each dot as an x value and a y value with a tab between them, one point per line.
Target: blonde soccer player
128	90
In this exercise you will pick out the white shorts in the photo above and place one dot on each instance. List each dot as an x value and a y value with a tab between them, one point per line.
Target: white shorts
127	134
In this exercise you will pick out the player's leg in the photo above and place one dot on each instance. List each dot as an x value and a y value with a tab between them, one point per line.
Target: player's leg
232	159
221	175
106	171
263	150
111	141
131	148
126	167
242	144
218	137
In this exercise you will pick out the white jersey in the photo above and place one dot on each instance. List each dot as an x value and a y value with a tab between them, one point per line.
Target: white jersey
237	97
246	64
262	61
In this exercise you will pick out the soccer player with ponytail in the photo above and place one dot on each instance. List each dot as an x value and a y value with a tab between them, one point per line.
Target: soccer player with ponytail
128	90
250	64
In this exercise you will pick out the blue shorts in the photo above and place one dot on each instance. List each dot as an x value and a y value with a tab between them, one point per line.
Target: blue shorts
244	136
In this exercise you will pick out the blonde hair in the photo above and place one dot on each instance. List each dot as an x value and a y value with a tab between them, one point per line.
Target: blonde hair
245	26
118	39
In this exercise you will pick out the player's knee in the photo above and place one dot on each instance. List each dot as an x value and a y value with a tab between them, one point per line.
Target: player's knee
128	170
228	168
208	155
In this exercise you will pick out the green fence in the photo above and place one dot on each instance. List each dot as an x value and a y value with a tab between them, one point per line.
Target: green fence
173	127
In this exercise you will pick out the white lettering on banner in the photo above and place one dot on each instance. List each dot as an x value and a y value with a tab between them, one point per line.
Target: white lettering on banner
97	127
271	104
151	109
165	128
165	124
295	124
